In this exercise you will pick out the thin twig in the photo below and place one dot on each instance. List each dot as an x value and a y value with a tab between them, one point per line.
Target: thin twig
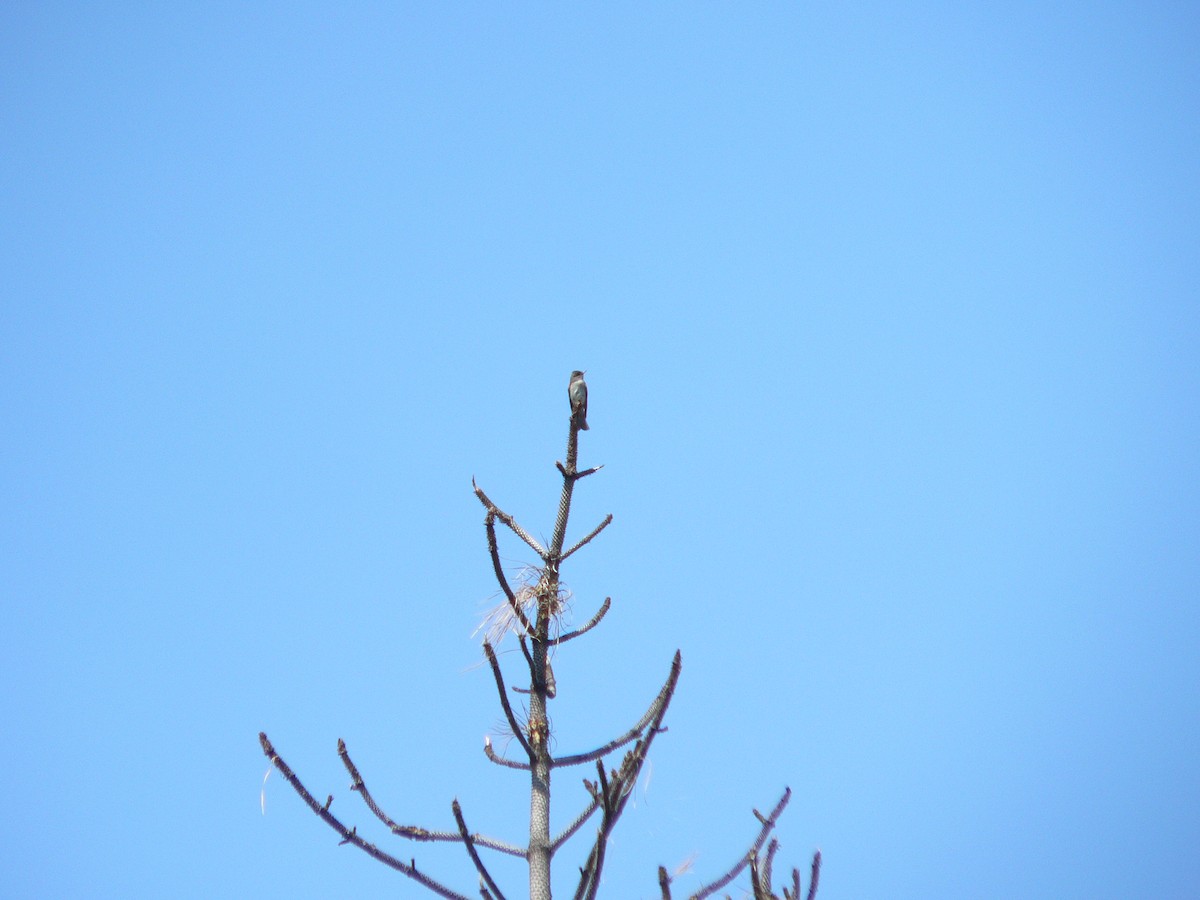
508	520
663	698
469	843
494	550
512	719
576	825
590	876
664	882
769	864
350	835
768	823
357	784
414	832
794	893
815	876
500	760
614	798
525	650
528	661
756	887
592	623
577	475
595	531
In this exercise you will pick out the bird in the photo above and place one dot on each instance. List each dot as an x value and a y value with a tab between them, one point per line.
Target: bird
577	394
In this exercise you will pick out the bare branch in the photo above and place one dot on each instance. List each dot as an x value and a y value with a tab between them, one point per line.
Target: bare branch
577	824
768	823
794	893
756	883
664	882
525	651
414	832
592	789
350	835
595	531
357	784
600	752
659	705
570	474
589	880
614	796
493	548
508	520
769	864
606	799
469	843
500	760
592	623
813	878
528	661
577	475
543	682
508	713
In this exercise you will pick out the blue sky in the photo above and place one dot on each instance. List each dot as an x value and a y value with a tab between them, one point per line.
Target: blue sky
891	323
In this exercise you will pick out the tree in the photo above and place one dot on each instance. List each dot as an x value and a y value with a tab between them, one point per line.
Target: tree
533	612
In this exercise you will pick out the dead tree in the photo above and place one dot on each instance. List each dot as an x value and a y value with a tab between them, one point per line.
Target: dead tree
534	613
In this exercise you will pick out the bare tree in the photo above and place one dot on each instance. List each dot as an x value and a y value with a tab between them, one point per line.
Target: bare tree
534	613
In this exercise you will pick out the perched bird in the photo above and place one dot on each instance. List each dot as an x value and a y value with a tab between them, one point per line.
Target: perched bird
577	394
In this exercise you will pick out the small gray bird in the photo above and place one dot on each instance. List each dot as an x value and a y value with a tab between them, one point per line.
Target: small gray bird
577	394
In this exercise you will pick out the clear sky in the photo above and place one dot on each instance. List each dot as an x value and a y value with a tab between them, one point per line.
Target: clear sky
891	317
